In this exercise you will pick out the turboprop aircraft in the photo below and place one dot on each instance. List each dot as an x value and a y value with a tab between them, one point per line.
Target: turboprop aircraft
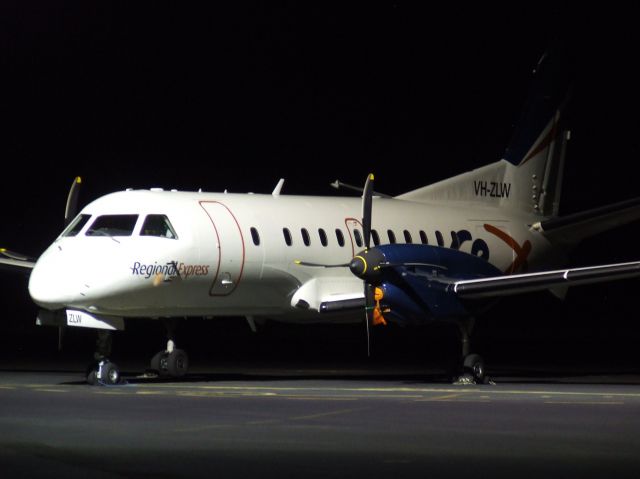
443	252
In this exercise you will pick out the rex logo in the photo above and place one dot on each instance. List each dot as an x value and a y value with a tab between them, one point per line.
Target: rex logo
521	252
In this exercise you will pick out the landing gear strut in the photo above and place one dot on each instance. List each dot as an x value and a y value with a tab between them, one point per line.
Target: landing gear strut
171	362
102	371
473	370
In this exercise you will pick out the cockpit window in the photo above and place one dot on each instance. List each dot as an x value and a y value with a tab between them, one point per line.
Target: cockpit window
113	225
76	225
158	225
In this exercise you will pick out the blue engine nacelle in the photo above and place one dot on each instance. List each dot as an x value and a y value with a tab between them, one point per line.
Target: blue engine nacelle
416	279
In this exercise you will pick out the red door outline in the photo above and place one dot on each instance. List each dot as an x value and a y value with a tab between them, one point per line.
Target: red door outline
219	289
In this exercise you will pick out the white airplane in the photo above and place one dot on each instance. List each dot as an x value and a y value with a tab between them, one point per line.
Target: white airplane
442	252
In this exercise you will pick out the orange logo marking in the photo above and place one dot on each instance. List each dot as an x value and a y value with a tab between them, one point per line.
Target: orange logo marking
522	252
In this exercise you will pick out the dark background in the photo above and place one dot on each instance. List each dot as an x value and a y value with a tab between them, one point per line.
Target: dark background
156	94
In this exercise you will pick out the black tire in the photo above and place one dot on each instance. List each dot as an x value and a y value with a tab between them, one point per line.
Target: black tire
177	363
156	363
91	377
110	374
474	365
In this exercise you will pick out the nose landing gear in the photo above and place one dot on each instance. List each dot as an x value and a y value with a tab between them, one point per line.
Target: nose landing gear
103	371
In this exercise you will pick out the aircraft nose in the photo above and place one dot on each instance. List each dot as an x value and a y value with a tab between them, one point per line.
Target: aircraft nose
50	286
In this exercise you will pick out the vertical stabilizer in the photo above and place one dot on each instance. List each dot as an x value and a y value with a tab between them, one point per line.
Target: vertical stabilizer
539	143
529	177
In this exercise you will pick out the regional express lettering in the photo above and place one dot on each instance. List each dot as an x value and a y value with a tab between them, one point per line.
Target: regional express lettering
170	269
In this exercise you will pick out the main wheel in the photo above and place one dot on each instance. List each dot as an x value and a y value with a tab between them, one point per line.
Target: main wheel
177	363
159	363
474	365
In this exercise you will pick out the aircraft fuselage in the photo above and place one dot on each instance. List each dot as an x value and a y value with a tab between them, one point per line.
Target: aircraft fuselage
234	254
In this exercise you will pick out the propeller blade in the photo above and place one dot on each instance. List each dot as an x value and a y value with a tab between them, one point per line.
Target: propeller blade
369	302
71	208
320	265
367	196
61	330
13	255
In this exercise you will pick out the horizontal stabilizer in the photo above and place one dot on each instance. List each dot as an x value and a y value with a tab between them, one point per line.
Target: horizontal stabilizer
571	229
524	283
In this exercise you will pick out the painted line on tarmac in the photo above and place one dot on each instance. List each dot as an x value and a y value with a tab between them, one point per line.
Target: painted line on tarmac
542	393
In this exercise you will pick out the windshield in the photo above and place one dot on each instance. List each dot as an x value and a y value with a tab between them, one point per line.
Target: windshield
113	225
76	225
158	225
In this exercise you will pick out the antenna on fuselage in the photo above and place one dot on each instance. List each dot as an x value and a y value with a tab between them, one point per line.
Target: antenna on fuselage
278	188
339	184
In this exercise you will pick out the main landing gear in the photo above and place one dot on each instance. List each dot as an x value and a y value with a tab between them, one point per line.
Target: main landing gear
473	369
171	362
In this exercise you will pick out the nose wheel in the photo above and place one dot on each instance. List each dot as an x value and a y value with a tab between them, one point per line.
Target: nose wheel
102	371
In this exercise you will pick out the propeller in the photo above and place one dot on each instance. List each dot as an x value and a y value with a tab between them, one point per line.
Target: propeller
366	265
367	197
71	209
367	200
70	212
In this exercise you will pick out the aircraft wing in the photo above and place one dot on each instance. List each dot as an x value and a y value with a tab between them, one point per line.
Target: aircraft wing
15	261
412	294
523	283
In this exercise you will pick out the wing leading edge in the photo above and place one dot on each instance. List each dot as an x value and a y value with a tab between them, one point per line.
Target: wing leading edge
528	282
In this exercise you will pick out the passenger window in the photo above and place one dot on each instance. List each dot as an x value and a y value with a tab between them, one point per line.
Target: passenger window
305	237
255	236
423	237
158	225
375	237
392	236
407	237
340	237
287	236
76	225
358	237
113	225
323	237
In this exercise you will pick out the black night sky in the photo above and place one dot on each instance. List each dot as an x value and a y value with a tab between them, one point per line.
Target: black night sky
236	95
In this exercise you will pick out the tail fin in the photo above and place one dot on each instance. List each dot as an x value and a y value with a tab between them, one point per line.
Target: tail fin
529	177
539	142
